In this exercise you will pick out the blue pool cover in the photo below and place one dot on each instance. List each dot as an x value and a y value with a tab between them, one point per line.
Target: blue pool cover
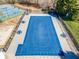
40	39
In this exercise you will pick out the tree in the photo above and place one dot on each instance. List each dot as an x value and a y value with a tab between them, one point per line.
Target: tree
60	7
67	8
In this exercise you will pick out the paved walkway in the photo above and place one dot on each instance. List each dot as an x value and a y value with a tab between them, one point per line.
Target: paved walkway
68	39
6	29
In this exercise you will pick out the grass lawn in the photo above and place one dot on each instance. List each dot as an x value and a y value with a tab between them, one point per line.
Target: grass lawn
73	26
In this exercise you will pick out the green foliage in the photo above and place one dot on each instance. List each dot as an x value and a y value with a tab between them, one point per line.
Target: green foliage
73	27
60	7
76	15
67	8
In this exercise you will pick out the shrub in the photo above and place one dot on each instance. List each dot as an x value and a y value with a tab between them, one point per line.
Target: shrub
68	8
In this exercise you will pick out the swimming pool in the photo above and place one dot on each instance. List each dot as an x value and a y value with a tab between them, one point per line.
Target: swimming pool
40	38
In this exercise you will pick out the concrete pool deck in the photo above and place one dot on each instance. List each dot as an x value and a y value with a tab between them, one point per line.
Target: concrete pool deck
18	39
